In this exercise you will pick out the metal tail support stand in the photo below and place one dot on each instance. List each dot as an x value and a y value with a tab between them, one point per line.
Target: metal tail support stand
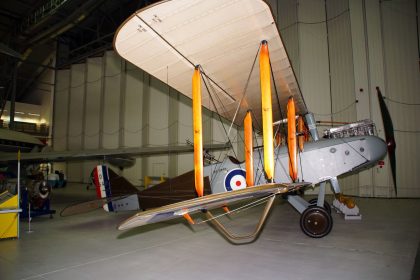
29	219
247	237
18	196
350	213
344	205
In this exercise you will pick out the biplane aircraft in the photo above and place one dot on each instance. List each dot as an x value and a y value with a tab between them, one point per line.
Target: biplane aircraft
215	47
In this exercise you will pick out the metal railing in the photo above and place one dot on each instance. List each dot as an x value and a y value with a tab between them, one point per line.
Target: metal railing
30	128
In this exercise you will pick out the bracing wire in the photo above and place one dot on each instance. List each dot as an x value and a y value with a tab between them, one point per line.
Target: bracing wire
315	22
337	112
260	163
281	117
240	209
217	111
401	102
245	88
209	84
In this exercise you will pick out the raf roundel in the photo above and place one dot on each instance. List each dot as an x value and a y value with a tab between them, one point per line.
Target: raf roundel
235	179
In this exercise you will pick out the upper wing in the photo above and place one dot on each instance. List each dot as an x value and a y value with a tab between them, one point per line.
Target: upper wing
207	202
104	153
169	38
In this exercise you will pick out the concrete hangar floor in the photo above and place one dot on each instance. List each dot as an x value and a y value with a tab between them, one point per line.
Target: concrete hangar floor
383	245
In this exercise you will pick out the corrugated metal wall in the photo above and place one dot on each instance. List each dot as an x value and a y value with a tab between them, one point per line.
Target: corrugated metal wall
108	103
343	99
341	51
402	88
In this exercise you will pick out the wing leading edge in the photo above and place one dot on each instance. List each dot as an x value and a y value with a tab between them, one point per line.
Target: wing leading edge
169	38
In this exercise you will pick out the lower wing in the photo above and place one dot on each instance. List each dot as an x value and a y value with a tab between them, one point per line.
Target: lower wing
207	202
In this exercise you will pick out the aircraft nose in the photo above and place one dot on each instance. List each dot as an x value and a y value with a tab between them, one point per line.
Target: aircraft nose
377	148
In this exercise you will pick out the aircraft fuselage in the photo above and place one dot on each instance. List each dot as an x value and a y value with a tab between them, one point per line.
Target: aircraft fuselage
319	162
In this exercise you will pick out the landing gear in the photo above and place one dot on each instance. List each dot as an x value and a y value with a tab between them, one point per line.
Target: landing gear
316	222
314	201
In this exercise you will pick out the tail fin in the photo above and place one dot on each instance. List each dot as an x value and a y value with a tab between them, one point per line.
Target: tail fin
109	184
102	184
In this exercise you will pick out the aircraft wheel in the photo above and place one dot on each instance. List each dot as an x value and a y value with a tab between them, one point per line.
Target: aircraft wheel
316	222
327	206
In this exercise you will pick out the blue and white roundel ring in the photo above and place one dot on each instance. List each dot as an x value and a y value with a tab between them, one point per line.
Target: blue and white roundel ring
235	179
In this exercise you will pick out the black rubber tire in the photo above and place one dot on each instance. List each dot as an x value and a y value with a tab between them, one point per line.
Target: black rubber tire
316	222
327	206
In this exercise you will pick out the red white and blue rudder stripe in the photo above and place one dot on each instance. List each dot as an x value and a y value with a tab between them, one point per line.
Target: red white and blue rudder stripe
103	185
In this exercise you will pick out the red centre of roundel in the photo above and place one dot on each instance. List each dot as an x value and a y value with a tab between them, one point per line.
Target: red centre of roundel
238	183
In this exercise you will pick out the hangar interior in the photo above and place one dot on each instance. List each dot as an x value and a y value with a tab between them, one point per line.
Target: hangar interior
57	58
343	61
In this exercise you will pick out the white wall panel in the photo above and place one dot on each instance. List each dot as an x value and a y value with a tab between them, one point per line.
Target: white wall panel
134	174
361	82
343	96
185	131
288	26
313	50
158	127
159	106
76	114
61	100
360	60
60	118
341	61
133	125
111	102
382	183
93	103
173	130
401	65
76	106
157	165
273	6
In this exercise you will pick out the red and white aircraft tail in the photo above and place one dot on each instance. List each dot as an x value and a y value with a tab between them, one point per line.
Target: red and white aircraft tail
109	184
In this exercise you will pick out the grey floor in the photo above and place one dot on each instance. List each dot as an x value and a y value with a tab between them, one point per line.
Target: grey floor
381	246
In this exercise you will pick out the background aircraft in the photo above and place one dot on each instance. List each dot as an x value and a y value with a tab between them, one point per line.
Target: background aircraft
12	141
34	151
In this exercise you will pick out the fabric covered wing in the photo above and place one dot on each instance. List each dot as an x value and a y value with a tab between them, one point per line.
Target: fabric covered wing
223	36
207	202
55	156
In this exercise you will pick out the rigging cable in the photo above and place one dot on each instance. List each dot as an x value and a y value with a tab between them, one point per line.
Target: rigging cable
281	117
217	111
241	208
246	87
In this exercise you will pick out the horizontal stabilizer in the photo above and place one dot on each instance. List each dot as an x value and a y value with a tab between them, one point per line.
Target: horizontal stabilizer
207	202
87	206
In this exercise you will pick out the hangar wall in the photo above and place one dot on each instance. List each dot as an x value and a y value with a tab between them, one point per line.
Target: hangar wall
341	50
109	103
